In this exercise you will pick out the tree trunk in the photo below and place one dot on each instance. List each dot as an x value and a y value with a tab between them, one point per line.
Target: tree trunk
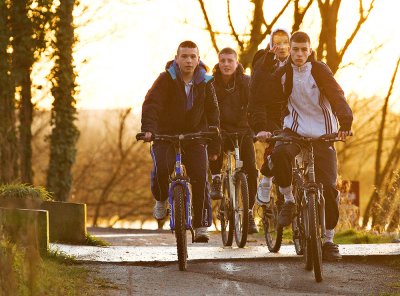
63	115
8	137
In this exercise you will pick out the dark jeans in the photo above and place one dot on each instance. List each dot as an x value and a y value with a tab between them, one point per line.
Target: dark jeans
195	160
247	155
325	173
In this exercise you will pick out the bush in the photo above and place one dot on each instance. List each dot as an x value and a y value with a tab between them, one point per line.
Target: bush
24	191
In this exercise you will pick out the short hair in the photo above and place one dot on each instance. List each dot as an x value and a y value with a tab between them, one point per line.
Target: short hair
227	50
300	37
187	44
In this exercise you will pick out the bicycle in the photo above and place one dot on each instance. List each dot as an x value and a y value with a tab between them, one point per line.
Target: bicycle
180	195
308	224
234	205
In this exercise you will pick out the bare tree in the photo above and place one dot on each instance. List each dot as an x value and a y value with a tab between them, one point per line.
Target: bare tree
393	157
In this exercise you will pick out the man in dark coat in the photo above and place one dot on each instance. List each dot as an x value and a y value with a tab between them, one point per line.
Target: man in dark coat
232	88
182	100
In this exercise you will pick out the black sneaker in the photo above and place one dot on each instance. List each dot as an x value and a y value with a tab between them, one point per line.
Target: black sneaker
330	252
252	224
216	188
287	213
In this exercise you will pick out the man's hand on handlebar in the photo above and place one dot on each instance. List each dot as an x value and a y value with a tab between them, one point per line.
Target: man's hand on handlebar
147	137
263	136
212	157
343	134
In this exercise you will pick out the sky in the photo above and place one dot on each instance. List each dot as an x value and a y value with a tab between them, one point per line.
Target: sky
124	45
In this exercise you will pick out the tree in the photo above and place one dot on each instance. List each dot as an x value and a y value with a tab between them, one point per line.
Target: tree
28	23
64	133
8	137
327	48
382	172
259	28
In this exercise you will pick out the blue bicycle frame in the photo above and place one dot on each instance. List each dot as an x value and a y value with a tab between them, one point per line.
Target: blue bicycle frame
180	179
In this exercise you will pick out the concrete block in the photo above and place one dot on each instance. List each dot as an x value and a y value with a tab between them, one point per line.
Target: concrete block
27	227
67	221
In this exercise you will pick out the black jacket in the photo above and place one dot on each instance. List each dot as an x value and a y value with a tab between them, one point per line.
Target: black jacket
272	96
264	115
164	110
233	102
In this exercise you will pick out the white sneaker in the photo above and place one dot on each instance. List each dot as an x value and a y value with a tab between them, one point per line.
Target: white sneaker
201	235
160	210
263	194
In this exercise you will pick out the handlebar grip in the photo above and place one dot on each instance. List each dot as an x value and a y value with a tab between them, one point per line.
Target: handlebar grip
140	136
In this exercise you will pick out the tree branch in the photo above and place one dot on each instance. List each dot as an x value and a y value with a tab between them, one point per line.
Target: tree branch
209	27
240	43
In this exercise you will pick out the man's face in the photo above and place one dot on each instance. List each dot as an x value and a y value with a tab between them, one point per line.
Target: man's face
282	43
299	52
227	63
187	59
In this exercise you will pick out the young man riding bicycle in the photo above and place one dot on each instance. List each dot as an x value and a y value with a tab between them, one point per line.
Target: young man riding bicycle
315	106
232	89
182	100
265	62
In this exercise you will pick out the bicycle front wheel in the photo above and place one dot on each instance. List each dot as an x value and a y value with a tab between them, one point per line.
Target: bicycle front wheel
226	215
272	230
241	209
180	225
315	236
297	226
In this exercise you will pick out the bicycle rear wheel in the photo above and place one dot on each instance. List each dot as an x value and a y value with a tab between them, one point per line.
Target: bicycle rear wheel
272	230
241	209
226	215
315	236
180	225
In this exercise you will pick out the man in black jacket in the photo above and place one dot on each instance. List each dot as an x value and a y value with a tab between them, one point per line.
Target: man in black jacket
232	88
264	63
315	105
182	100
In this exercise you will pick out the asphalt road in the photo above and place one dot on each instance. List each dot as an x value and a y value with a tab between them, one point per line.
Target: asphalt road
265	274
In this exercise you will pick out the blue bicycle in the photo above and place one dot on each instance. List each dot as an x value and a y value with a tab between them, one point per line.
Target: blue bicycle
180	193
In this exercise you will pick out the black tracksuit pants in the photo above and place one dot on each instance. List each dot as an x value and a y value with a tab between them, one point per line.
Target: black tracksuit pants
325	173
247	155
195	160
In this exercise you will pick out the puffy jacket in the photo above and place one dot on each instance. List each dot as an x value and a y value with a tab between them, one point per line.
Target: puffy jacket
165	110
233	102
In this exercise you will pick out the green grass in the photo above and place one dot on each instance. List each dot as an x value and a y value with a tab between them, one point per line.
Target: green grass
24	272
352	236
24	191
95	241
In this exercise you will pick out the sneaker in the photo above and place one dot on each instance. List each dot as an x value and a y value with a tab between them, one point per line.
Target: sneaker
160	210
252	224
263	194
216	188
330	252
201	235
287	213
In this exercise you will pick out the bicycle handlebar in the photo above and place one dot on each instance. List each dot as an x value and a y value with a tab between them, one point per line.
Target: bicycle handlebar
179	137
288	139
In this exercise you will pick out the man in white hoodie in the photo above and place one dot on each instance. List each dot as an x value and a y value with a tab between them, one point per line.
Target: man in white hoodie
315	106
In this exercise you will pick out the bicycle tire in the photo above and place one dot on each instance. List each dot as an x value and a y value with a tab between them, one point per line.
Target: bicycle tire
297	227
272	230
315	237
241	209
180	226
307	254
226	215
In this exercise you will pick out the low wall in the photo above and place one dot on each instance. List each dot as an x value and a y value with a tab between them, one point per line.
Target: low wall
27	227
67	221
